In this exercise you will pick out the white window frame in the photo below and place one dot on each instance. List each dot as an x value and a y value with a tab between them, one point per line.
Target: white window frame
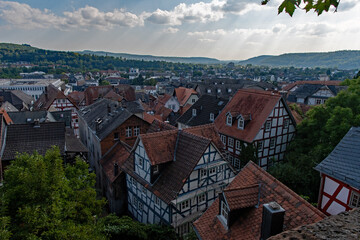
224	211
140	161
354	199
135	202
203	173
212	170
272	142
230	142
144	190
193	100
128	132
155	169
318	101
237	163
185	205
209	91
201	198
260	145
286	123
223	139
241	123
219	90
157	201
229	120
194	112
267	125
136	131
212	117
237	145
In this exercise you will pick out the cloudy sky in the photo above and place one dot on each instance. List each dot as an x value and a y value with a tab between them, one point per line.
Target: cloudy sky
223	29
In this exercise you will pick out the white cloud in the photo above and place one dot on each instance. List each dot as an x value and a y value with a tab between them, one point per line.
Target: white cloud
23	16
171	30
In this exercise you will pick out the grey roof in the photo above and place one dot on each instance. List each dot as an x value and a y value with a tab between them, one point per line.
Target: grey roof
307	90
133	106
16	98
104	116
343	163
43	116
205	105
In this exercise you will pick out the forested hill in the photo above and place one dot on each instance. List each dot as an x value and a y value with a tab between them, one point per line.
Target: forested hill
345	60
194	60
73	61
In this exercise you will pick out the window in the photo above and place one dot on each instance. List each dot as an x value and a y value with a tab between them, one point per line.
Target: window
212	170
318	101
140	206
267	125
221	167
136	131
240	123
229	120
212	117
219	90
185	205
231	142
128	132
272	142
209	91
237	145
194	112
223	139
201	198
229	90
116	136
157	201
202	173
144	190
193	100
260	145
237	163
133	182
224	210
140	161
355	199
155	169
135	202
286	123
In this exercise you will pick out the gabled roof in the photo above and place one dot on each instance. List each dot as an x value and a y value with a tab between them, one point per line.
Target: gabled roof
29	138
186	150
78	97
117	154
183	94
113	96
327	83
247	224
6	116
208	131
42	115
47	98
158	126
163	98
104	116
259	104
16	98
307	90
205	105
73	144
94	92
343	163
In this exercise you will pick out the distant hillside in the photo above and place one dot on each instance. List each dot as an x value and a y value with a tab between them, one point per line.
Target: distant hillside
340	59
194	60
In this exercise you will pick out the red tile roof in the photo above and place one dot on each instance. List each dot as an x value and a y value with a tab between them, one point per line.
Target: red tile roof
78	97
248	223
94	92
242	197
256	103
113	96
47	98
208	131
158	126
117	154
183	94
163	99
6	116
329	83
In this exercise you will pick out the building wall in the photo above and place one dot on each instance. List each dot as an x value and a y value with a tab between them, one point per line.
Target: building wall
64	105
335	195
192	99
278	133
173	104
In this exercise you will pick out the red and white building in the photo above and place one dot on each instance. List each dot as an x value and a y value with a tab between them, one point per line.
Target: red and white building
55	100
340	176
258	118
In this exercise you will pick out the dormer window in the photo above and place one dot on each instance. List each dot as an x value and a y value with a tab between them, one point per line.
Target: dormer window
209	91
212	117
156	169
219	90
229	90
241	122
229	120
194	112
224	211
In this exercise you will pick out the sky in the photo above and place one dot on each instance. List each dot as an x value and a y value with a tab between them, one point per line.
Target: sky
222	29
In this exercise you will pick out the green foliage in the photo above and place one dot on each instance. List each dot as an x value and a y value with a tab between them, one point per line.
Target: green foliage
248	153
125	228
45	200
323	128
319	6
104	83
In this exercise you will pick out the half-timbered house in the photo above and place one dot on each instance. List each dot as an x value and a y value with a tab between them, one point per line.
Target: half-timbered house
258	118
340	176
173	176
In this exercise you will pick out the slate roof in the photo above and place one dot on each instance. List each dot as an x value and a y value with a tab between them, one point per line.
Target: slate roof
133	106
183	94
73	144
343	163
307	90
9	107
256	103
327	83
247	225
99	119
29	138
187	149
15	98
43	116
205	105
118	153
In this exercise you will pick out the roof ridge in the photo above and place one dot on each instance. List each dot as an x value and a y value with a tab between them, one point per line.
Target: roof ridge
240	188
190	133
158	133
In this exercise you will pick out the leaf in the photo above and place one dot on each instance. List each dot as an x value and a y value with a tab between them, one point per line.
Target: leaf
289	7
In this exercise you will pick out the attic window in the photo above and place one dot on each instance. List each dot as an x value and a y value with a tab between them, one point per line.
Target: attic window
267	125
209	91
116	136
286	123
355	199
229	90
241	122
194	112
229	120
212	117
156	169
219	90
224	211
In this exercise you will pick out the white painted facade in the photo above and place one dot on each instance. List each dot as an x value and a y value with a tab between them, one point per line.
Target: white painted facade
173	104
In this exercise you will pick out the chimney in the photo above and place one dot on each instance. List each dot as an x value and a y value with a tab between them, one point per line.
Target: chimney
116	169
272	220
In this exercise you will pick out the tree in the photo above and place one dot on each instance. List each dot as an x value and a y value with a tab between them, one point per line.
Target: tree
319	133
43	199
319	6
